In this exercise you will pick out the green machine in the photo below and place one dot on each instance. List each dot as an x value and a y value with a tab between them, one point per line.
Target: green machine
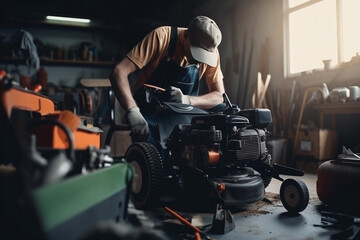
71	208
68	209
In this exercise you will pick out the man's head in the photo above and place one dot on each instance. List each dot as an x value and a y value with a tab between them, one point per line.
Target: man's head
205	37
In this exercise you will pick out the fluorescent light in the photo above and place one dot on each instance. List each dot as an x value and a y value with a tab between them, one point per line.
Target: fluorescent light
68	19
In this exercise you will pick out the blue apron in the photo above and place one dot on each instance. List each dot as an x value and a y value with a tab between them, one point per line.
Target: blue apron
168	73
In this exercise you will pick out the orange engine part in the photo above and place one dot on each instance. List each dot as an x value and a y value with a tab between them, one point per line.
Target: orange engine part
48	135
214	157
26	100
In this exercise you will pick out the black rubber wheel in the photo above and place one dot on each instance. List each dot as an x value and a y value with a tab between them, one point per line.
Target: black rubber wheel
294	195
148	170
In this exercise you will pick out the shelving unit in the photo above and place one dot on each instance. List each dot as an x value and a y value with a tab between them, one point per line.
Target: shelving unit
110	32
73	63
55	62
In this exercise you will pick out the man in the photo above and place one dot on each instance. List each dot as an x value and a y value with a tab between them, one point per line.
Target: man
175	59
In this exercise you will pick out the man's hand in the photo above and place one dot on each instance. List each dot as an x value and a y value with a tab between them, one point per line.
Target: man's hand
176	95
139	126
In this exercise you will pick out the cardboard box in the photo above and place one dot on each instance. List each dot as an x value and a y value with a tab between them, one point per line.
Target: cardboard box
119	143
317	143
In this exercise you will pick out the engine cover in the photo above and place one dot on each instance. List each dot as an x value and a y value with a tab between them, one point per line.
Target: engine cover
217	140
247	145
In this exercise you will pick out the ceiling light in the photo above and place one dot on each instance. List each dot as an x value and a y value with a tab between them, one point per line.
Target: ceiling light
68	19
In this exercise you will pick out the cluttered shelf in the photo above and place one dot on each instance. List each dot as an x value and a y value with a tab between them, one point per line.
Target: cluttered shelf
59	62
60	44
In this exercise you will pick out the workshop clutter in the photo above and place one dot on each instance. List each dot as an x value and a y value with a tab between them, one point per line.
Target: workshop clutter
56	181
342	94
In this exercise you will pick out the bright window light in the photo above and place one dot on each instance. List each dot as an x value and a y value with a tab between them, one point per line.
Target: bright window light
68	19
312	36
320	30
351	30
293	3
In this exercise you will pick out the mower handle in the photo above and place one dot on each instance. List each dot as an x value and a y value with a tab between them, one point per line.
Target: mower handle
230	108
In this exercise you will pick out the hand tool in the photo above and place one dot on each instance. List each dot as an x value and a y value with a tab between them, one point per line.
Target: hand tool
187	223
155	87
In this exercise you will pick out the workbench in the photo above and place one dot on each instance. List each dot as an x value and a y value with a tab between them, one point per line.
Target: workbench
335	109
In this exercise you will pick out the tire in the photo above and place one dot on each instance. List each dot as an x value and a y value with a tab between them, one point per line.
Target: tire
294	195
144	157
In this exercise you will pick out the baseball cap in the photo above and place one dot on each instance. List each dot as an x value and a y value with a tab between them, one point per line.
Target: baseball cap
205	37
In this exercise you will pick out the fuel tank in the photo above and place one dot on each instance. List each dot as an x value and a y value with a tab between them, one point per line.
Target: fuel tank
338	184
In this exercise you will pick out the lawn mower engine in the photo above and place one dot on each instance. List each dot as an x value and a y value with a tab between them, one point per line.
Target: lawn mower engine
224	147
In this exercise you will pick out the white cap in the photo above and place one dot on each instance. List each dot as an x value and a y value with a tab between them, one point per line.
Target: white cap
205	37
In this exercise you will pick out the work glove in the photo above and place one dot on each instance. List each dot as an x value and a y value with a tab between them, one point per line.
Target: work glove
139	126
176	95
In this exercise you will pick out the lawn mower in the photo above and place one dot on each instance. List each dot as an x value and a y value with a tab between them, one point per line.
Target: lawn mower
209	158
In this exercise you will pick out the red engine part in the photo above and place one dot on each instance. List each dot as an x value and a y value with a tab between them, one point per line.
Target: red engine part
338	184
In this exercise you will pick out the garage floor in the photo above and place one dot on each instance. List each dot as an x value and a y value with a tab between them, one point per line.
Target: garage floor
265	220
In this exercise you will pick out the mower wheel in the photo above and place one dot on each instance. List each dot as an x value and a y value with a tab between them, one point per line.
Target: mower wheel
294	195
146	161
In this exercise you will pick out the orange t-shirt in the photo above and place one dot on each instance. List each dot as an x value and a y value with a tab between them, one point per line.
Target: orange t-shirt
149	52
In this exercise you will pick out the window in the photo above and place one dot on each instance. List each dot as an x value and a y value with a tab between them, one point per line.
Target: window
351	29
319	30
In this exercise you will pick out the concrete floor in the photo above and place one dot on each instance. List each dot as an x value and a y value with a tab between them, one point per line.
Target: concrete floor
265	220
271	221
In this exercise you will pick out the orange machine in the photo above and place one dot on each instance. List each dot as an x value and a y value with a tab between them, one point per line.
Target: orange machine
50	136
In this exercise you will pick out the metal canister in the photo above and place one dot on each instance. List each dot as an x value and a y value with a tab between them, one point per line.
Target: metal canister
338	184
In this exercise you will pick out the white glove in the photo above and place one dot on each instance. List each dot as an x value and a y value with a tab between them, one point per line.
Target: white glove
139	126
176	95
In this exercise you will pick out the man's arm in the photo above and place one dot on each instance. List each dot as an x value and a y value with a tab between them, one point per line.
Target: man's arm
120	83
211	99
